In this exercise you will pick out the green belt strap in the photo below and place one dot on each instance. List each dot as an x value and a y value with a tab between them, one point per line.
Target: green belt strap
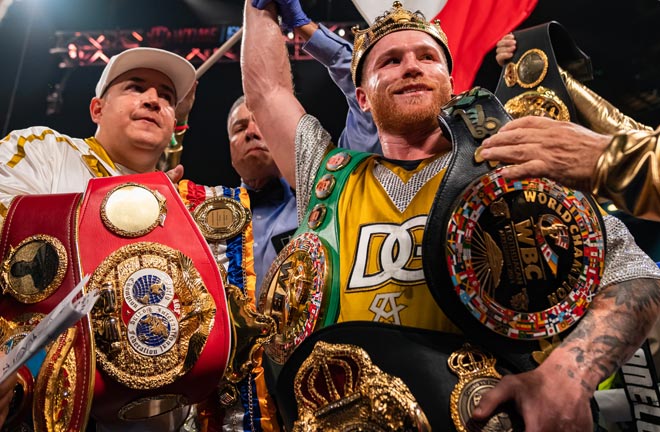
328	230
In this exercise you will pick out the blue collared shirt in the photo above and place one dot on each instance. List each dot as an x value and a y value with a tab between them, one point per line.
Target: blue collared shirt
272	216
335	54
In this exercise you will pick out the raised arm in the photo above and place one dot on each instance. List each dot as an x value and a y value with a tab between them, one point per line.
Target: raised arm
335	54
267	85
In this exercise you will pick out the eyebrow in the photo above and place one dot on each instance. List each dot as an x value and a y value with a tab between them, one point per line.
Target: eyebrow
240	122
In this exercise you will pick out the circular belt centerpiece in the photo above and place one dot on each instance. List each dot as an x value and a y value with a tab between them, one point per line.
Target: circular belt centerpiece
525	257
294	295
133	210
221	218
153	317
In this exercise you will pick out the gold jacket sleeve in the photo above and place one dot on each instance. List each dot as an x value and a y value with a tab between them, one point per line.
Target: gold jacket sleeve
628	173
595	112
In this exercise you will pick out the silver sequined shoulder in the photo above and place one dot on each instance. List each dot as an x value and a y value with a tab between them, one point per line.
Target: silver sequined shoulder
312	142
624	260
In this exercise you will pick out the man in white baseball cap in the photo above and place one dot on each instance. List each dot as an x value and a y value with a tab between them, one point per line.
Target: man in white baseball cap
175	67
134	109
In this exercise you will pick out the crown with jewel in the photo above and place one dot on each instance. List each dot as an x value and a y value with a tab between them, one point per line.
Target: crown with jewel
395	19
338	388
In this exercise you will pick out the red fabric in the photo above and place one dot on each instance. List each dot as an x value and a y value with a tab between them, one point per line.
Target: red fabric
474	27
179	232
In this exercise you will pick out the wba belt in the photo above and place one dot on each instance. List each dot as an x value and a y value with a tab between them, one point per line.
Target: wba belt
40	266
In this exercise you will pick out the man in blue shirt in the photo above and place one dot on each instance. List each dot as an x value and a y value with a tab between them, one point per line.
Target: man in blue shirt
272	199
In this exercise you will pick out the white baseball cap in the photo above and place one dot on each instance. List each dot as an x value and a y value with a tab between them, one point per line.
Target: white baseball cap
179	70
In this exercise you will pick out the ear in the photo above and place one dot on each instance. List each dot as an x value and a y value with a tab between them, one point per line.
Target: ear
362	99
96	109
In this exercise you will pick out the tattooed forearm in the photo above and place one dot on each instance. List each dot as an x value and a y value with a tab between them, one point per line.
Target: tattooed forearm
617	323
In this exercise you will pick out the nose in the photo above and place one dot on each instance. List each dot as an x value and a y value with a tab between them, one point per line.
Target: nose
411	66
150	99
252	131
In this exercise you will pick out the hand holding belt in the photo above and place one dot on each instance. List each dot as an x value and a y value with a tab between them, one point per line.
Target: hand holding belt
510	261
531	83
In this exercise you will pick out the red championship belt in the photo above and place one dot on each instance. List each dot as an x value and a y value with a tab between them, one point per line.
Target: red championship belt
39	268
162	328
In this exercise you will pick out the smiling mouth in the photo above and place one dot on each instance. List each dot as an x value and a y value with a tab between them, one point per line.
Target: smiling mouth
413	90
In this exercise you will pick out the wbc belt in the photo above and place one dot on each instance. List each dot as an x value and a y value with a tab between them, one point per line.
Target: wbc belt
39	267
513	263
162	328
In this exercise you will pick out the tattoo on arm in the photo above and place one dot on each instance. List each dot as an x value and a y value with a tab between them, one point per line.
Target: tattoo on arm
617	323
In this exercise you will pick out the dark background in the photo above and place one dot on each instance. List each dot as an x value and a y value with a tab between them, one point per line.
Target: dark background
622	39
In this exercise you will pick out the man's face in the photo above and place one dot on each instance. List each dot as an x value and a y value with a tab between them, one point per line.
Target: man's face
405	81
136	117
250	155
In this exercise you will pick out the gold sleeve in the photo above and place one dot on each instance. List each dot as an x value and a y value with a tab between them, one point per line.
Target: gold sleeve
628	173
597	113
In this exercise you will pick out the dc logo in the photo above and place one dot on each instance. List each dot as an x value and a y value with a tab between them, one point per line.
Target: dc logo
388	252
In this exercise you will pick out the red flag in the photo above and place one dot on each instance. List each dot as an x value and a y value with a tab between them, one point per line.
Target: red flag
473	27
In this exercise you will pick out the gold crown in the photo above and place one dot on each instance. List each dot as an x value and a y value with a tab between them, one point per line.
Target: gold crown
338	388
395	19
468	361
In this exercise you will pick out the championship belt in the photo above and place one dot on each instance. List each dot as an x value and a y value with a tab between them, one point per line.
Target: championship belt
297	291
327	384
224	218
513	263
40	266
531	84
161	325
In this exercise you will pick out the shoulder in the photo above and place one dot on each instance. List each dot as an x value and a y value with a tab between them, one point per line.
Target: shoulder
37	134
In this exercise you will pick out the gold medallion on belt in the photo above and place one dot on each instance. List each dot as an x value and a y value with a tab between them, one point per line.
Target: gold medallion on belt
528	71
34	269
541	102
154	315
294	293
133	210
476	376
221	218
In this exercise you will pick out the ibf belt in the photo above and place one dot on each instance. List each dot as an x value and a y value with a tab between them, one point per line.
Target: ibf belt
161	322
511	262
531	83
38	270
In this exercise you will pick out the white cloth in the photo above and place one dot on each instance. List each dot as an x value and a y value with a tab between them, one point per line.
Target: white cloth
39	160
